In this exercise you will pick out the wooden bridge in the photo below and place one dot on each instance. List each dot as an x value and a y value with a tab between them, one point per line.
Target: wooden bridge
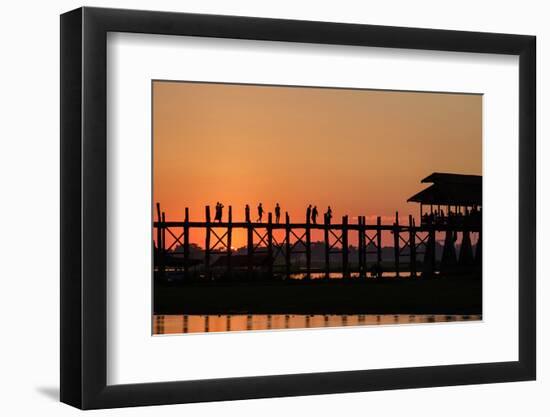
409	242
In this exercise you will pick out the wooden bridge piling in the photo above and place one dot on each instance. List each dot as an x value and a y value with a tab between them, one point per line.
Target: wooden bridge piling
163	240
159	229
249	246
345	248
207	243
186	243
160	246
412	246
288	247
308	247
270	243
361	246
365	247
229	238
396	244
379	243
327	247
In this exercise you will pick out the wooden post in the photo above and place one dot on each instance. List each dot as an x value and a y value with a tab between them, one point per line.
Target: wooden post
479	251
429	256
361	246
250	248
365	264
308	248
159	229
186	244
270	244
327	248
163	233
432	238
288	245
207	244
412	246
396	243
345	254
465	256
379	243
229	236
160	253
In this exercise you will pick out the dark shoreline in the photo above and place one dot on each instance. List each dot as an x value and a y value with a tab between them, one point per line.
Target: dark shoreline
442	295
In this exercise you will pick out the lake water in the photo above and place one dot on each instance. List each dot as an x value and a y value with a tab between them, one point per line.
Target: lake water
177	324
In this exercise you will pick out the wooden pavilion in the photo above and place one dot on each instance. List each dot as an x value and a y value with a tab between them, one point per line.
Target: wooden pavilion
450	198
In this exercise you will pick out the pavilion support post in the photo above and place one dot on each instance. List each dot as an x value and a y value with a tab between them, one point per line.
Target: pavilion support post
448	258
270	245
479	254
429	255
288	247
479	249
186	244
345	247
327	248
465	257
433	242
207	243
412	247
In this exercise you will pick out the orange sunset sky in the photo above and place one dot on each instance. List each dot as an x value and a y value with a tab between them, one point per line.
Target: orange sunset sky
363	152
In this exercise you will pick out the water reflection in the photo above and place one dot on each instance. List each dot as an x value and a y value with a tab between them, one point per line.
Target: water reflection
176	324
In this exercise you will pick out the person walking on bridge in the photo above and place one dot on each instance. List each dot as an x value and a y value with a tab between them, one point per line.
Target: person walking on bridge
314	214
219	212
328	215
308	214
277	213
247	213
260	213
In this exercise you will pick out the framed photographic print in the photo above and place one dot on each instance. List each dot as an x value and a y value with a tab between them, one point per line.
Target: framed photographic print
257	208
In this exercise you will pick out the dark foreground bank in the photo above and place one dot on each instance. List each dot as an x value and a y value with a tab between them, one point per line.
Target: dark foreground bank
442	295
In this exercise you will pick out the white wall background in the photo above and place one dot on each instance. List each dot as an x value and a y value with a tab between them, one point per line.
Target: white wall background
29	229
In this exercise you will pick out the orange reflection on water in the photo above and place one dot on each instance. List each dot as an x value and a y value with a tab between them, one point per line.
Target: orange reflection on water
178	324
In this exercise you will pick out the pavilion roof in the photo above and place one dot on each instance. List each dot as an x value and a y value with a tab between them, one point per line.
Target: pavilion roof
450	189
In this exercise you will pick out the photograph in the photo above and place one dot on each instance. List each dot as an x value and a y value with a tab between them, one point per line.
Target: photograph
290	207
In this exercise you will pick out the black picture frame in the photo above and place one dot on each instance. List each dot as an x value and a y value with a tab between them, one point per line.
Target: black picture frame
84	207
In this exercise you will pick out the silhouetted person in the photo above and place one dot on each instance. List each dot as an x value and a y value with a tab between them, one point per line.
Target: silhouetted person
247	213
277	213
308	213
328	215
314	214
260	212
219	212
